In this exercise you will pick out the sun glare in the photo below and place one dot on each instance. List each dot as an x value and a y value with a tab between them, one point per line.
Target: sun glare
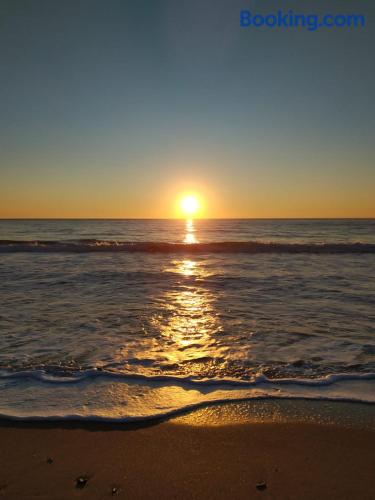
189	205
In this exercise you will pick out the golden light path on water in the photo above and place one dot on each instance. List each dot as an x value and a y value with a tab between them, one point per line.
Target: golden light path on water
193	323
190	232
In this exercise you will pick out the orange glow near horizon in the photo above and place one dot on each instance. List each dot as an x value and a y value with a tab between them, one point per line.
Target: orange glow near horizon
164	201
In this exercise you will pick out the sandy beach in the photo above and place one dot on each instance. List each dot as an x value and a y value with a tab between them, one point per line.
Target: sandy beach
182	458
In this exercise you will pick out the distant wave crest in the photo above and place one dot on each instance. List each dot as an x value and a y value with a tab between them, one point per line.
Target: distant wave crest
95	245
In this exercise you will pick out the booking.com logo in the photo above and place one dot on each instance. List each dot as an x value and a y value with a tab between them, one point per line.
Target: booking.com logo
290	19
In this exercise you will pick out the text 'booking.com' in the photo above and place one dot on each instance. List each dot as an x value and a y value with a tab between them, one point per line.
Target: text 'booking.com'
292	20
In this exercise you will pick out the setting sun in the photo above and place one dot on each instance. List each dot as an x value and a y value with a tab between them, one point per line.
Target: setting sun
189	205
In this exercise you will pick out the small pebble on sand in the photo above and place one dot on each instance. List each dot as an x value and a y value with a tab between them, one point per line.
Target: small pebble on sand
81	482
261	486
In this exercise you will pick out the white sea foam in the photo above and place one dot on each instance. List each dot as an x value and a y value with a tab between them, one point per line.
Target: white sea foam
114	397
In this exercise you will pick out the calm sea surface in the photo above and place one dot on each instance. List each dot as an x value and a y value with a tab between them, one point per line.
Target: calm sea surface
122	319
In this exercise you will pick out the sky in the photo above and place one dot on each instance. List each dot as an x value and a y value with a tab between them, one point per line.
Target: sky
116	108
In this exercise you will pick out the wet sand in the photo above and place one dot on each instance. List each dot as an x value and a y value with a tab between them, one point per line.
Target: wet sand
178	459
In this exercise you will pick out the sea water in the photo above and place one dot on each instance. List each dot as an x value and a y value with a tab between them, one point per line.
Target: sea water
133	319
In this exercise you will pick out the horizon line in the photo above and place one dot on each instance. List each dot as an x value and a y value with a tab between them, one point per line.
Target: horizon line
181	218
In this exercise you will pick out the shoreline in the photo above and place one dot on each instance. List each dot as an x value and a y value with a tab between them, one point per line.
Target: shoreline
271	409
290	450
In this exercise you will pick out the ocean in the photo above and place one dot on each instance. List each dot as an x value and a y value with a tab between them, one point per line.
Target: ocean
136	319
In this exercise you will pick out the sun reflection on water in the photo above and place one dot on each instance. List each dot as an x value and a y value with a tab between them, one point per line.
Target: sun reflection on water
190	230
189	323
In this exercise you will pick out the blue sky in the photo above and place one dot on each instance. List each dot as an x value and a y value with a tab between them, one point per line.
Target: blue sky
112	109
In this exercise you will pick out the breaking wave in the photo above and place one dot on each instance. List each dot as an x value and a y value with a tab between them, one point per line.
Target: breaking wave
95	245
92	373
94	395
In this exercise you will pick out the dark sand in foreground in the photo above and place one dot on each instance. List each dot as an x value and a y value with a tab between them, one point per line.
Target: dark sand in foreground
174	459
